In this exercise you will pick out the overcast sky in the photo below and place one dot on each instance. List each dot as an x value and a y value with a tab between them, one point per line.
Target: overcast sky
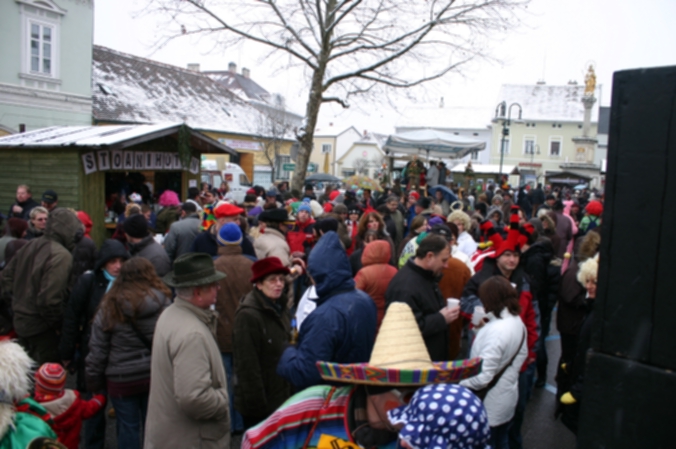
557	41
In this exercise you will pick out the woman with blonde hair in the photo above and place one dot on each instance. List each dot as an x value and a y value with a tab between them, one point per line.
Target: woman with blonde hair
587	276
121	343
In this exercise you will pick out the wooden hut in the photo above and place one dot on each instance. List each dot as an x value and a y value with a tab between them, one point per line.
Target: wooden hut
89	165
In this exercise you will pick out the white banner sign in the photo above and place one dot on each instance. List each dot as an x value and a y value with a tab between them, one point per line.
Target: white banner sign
104	160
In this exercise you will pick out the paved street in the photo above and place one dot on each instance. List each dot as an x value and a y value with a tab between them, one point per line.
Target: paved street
540	430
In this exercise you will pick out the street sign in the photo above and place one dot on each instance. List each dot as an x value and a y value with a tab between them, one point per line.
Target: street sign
311	167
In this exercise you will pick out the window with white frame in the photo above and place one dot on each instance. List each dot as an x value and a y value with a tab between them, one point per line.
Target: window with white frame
326	148
529	145
506	146
475	155
40	41
555	146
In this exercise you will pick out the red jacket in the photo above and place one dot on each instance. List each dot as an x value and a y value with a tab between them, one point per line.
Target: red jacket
68	412
528	318
376	274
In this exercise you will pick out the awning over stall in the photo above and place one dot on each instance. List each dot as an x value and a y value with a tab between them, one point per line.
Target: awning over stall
432	143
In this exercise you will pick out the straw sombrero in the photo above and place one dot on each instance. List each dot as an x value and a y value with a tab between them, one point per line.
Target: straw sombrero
400	357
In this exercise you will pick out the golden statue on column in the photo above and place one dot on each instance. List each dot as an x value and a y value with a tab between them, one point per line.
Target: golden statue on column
590	82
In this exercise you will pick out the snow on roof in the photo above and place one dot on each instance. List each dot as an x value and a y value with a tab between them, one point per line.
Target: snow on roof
82	135
96	136
444	118
236	82
547	103
131	89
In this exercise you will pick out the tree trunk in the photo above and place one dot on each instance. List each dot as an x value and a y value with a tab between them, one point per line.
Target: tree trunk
313	104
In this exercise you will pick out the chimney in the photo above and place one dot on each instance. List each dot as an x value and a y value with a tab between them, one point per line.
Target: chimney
195	67
22	127
441	103
366	133
232	67
245	72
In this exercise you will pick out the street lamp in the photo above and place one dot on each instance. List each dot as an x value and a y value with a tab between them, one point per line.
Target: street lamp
533	151
501	111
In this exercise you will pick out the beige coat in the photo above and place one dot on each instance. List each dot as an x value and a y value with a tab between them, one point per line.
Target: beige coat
189	405
272	243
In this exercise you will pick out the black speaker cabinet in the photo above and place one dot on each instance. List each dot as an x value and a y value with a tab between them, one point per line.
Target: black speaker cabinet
630	385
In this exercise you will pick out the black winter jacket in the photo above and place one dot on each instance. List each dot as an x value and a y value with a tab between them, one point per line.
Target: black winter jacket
119	355
260	336
80	309
419	288
535	262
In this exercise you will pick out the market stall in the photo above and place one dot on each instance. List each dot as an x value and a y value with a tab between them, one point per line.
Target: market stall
94	168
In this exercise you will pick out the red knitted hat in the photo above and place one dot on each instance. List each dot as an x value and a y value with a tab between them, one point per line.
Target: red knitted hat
414	194
50	379
269	265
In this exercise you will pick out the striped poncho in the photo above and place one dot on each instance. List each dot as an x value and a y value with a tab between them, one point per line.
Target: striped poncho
288	427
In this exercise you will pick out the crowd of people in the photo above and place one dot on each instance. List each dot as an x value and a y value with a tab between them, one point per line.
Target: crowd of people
206	318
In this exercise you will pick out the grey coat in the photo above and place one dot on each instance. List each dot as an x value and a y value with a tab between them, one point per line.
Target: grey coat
149	249
189	405
181	235
119	354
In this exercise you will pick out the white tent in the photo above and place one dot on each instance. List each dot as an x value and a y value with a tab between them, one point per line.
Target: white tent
431	143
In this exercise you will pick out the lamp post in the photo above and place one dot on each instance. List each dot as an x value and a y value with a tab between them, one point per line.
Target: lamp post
533	151
504	113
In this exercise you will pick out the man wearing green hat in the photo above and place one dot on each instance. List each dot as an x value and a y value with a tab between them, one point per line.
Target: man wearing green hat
188	404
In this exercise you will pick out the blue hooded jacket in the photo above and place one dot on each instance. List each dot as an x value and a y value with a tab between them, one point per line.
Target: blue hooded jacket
341	329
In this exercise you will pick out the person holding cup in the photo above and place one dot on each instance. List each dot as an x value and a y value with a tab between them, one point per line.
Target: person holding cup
417	284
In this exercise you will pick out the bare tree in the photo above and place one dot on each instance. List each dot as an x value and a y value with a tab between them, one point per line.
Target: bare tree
361	166
273	128
350	47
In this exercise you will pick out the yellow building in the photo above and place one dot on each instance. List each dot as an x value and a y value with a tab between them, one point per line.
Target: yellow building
542	141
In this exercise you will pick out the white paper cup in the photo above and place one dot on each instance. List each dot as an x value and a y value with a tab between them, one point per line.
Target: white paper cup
478	315
452	302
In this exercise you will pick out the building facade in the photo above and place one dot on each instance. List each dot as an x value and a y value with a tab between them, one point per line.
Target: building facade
329	145
541	142
46	54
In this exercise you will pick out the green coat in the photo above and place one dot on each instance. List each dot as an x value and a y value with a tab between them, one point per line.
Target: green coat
260	336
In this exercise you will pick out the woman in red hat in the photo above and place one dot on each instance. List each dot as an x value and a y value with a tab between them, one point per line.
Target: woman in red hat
261	332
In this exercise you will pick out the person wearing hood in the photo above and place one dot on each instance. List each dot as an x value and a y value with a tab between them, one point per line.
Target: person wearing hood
37	223
22	419
121	342
495	215
37	277
81	308
262	330
376	274
84	301
142	244
343	326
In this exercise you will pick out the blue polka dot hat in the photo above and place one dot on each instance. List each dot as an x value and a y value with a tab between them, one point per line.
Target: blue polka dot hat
443	416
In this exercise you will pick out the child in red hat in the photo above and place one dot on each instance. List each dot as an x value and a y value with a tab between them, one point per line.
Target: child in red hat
67	409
